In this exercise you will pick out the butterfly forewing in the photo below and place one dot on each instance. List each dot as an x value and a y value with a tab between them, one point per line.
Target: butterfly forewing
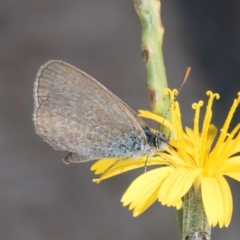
74	112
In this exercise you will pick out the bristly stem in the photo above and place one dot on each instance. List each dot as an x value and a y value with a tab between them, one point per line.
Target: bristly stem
195	223
152	40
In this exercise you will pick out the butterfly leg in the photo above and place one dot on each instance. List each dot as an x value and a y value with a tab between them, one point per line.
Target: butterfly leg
165	159
118	160
145	165
169	136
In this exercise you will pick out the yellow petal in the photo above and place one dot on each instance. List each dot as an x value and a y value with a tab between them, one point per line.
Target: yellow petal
176	185
157	118
110	168
102	165
217	200
227	201
178	204
231	165
231	168
143	190
234	175
151	198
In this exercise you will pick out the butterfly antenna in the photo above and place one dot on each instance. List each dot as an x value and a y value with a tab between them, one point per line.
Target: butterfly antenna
185	77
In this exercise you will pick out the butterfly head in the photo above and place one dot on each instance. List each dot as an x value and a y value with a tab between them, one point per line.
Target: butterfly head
161	142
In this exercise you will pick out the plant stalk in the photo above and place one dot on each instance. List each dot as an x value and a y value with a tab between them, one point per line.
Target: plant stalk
152	53
195	224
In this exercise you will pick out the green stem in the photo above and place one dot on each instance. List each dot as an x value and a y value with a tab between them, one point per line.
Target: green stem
152	40
195	224
179	214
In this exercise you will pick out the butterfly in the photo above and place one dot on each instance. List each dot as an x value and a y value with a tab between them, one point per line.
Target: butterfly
74	112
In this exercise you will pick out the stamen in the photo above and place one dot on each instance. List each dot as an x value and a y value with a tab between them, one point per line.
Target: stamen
179	132
205	127
211	97
196	107
172	99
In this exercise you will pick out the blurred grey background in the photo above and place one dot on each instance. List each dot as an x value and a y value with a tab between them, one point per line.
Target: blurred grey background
40	197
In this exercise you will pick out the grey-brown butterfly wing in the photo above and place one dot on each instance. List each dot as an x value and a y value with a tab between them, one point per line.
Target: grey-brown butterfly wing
74	112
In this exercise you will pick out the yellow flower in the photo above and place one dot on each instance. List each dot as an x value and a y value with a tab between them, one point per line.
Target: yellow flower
194	160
